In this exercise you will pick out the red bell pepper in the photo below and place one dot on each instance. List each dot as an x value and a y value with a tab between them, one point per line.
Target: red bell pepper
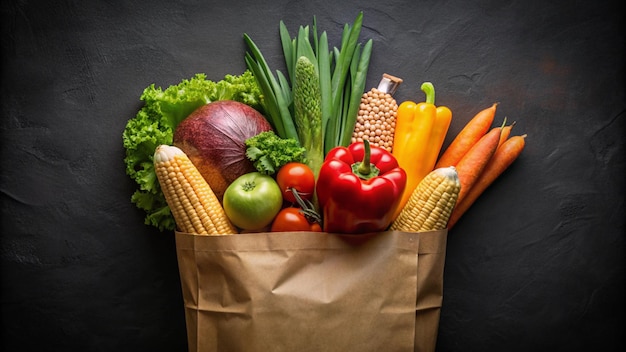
359	188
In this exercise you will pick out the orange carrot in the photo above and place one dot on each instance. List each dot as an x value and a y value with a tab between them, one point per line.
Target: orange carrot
506	132
474	161
504	156
477	127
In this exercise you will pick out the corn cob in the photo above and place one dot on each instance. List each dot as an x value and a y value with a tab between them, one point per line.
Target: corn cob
194	206
431	203
376	120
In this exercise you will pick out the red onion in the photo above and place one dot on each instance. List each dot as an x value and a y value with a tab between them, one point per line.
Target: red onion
213	137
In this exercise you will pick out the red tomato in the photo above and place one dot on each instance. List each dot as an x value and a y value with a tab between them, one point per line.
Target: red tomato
299	176
293	219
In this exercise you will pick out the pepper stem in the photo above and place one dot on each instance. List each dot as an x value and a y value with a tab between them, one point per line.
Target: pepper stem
364	166
429	89
365	169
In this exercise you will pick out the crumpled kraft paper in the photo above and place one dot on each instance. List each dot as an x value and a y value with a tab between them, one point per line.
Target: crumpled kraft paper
312	291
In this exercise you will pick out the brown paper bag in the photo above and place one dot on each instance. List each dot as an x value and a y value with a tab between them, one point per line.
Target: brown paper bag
311	291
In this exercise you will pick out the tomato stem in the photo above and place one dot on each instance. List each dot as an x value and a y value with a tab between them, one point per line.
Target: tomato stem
307	208
248	186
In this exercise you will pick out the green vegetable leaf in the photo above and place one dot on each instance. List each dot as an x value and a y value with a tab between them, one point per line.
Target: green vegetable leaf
342	75
276	91
269	152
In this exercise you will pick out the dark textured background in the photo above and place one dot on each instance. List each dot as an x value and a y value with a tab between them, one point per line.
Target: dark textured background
536	265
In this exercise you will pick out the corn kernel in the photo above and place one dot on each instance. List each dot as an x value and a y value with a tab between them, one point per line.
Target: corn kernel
431	203
192	202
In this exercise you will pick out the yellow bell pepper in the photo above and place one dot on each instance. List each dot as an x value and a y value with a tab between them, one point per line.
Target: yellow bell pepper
421	129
